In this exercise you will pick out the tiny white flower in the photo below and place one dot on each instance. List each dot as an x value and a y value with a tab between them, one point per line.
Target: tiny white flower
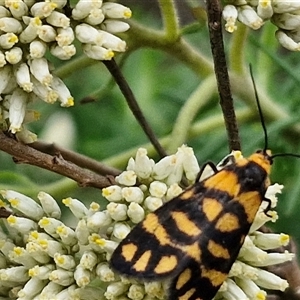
64	52
10	25
248	16
117	211
64	95
281	7
265	9
8	40
173	191
44	92
14	55
50	225
82	276
133	194
23	225
127	178
270	281
40	70
17	8
95	17
42	9
104	272
121	230
50	290
58	19
65	36
136	292
86	33
98	220
49	205
23	204
6	73
112	193
32	287
230	15
115	10
115	289
88	260
153	203
46	33
114	26
97	52
17	274
62	277
23	77
82	232
67	235
158	189
31	31
78	209
135	212
37	49
143	164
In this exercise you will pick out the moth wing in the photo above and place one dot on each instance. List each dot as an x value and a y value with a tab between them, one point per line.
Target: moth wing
162	244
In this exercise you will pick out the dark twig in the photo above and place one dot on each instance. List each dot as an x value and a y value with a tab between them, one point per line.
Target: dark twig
216	40
115	71
76	158
27	155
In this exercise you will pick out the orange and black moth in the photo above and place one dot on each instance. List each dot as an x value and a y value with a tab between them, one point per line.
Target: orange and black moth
195	238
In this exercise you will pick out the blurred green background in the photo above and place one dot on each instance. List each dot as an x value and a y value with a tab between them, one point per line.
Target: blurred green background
104	128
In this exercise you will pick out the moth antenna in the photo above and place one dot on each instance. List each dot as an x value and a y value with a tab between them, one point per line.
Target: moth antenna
263	124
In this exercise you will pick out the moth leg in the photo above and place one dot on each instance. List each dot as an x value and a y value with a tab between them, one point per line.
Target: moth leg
266	210
209	163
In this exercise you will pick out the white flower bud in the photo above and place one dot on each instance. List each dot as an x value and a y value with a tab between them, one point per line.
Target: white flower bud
82	276
31	288
88	34
126	178
121	230
158	189
152	203
143	164
136	292
154	289
82	232
22	75
265	9
117	211
17	8
99	220
133	194
50	225
14	55
66	262
95	17
21	256
234	291
17	108
46	33
58	19
10	25
230	14
173	191
164	167
281	7
37	49
24	204
44	92
17	274
78	209
115	10
250	288
112	42
114	26
62	277
42	9
50	290
115	289
31	31
97	52
8	40
64	52
60	3
50	206
67	235
2	60
270	281
112	193
88	260
23	225
83	8
39	68
64	95
249	17
104	272
5	76
41	272
65	36
135	212
4	12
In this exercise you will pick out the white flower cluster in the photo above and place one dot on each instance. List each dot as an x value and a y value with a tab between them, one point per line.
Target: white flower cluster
253	13
30	29
42	258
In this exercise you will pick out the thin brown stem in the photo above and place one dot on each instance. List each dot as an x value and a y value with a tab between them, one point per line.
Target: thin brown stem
217	47
76	158
27	155
115	71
